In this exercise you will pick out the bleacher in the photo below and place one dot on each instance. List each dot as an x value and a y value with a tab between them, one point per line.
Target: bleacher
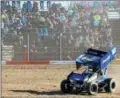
115	24
54	46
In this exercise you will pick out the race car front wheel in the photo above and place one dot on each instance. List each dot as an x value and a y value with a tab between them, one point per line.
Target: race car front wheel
111	85
65	86
92	88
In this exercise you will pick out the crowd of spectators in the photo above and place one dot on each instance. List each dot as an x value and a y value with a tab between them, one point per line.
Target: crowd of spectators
87	19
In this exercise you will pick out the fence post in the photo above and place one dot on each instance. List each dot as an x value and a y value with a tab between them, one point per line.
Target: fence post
61	46
28	48
25	53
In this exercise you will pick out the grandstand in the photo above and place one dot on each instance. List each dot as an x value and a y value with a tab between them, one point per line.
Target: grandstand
116	34
58	33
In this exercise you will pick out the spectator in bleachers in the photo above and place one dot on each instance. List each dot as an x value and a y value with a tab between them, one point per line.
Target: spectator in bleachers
19	25
97	20
35	7
23	19
5	17
29	6
24	7
86	19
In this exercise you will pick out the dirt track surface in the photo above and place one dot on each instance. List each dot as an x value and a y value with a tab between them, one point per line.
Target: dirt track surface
43	81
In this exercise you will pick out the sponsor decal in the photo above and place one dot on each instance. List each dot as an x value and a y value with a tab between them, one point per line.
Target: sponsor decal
106	59
113	51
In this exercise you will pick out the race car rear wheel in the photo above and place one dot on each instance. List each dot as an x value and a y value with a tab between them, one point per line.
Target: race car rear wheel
92	88
111	85
65	86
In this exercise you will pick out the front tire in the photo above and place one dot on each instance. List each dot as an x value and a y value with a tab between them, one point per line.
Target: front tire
92	88
65	86
111	85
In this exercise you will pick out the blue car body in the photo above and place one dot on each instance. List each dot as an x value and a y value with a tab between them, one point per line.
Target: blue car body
95	58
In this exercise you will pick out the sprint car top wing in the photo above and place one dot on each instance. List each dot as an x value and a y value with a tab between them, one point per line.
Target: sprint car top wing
97	58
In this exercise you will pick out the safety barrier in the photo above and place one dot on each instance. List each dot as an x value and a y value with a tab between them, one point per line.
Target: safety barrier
26	62
117	61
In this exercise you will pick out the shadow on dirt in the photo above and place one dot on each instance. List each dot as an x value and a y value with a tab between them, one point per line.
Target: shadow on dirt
26	91
45	92
38	93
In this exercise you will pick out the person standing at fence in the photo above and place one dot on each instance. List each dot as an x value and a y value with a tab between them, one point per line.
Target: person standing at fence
33	51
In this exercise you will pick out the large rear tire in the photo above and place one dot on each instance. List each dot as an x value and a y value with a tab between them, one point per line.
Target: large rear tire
92	88
111	85
65	86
